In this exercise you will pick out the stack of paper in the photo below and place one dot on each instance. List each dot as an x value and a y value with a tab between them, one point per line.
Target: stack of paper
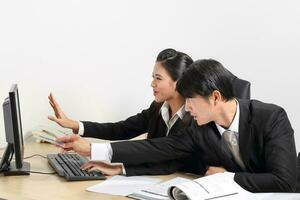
122	185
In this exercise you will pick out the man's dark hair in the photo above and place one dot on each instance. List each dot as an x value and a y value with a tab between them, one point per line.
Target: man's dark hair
174	62
203	77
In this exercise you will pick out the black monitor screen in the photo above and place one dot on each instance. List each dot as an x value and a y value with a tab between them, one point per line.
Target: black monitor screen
14	136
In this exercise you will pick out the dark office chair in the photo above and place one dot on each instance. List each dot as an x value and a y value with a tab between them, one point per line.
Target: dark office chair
298	174
241	88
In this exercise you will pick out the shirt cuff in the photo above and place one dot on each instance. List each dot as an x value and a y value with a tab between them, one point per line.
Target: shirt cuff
81	128
123	169
101	152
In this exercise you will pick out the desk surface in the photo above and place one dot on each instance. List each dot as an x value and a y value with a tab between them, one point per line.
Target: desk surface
38	186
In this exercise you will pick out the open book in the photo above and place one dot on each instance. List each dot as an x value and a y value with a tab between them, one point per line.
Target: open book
217	186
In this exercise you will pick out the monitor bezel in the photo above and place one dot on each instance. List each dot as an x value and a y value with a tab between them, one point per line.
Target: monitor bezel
17	125
14	136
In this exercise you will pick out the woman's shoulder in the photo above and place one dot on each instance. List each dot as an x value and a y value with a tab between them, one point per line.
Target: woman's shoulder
155	106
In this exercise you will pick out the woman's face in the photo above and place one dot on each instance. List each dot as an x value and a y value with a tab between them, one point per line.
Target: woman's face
164	88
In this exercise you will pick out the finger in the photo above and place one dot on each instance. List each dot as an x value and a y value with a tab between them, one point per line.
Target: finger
56	120
49	96
92	164
55	108
84	166
52	118
53	100
52	105
62	151
94	168
68	138
68	145
88	166
64	139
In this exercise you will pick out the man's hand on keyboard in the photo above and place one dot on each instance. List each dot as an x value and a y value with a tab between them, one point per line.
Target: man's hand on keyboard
105	168
76	143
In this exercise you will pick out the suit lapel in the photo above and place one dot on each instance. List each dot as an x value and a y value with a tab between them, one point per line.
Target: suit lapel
176	127
157	127
181	123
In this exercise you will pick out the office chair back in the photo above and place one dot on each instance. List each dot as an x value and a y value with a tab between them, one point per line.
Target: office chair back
298	174
241	88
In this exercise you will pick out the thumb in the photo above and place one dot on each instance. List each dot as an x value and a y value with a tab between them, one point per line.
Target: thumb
52	118
57	120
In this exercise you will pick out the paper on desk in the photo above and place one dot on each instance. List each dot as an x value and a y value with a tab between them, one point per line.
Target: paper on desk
122	185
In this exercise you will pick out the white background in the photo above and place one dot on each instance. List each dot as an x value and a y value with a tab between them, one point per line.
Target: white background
97	56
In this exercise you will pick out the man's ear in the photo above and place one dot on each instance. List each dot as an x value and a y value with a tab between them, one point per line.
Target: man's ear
216	97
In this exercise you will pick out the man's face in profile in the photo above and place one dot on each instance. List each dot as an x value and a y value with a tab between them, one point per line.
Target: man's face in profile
200	108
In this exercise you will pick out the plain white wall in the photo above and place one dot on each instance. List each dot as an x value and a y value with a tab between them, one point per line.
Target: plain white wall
97	56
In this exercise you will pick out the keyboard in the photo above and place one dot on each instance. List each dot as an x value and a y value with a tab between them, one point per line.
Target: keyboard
68	166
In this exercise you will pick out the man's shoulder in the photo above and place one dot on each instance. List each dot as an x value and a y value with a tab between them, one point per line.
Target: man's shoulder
260	112
205	128
255	106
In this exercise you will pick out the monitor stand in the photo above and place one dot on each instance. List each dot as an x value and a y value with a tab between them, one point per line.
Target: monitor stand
13	171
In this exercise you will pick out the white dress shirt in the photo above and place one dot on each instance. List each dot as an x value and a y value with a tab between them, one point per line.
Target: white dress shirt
164	110
234	126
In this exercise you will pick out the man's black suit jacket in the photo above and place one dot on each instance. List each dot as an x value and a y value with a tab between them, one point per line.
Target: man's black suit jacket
148	121
266	141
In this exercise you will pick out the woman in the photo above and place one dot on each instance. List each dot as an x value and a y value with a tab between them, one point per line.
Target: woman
165	116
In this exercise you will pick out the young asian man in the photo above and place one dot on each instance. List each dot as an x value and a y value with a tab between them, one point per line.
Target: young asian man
251	139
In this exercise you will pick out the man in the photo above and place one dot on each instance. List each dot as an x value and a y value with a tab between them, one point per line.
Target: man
251	139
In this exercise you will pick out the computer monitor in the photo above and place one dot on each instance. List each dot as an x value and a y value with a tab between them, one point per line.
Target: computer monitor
14	136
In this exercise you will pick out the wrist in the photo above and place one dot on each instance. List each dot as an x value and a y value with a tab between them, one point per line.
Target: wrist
89	149
121	170
74	126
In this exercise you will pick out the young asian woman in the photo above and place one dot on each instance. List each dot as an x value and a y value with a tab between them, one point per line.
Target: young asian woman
165	116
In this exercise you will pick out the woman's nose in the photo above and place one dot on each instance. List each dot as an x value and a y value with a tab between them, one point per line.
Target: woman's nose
153	84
